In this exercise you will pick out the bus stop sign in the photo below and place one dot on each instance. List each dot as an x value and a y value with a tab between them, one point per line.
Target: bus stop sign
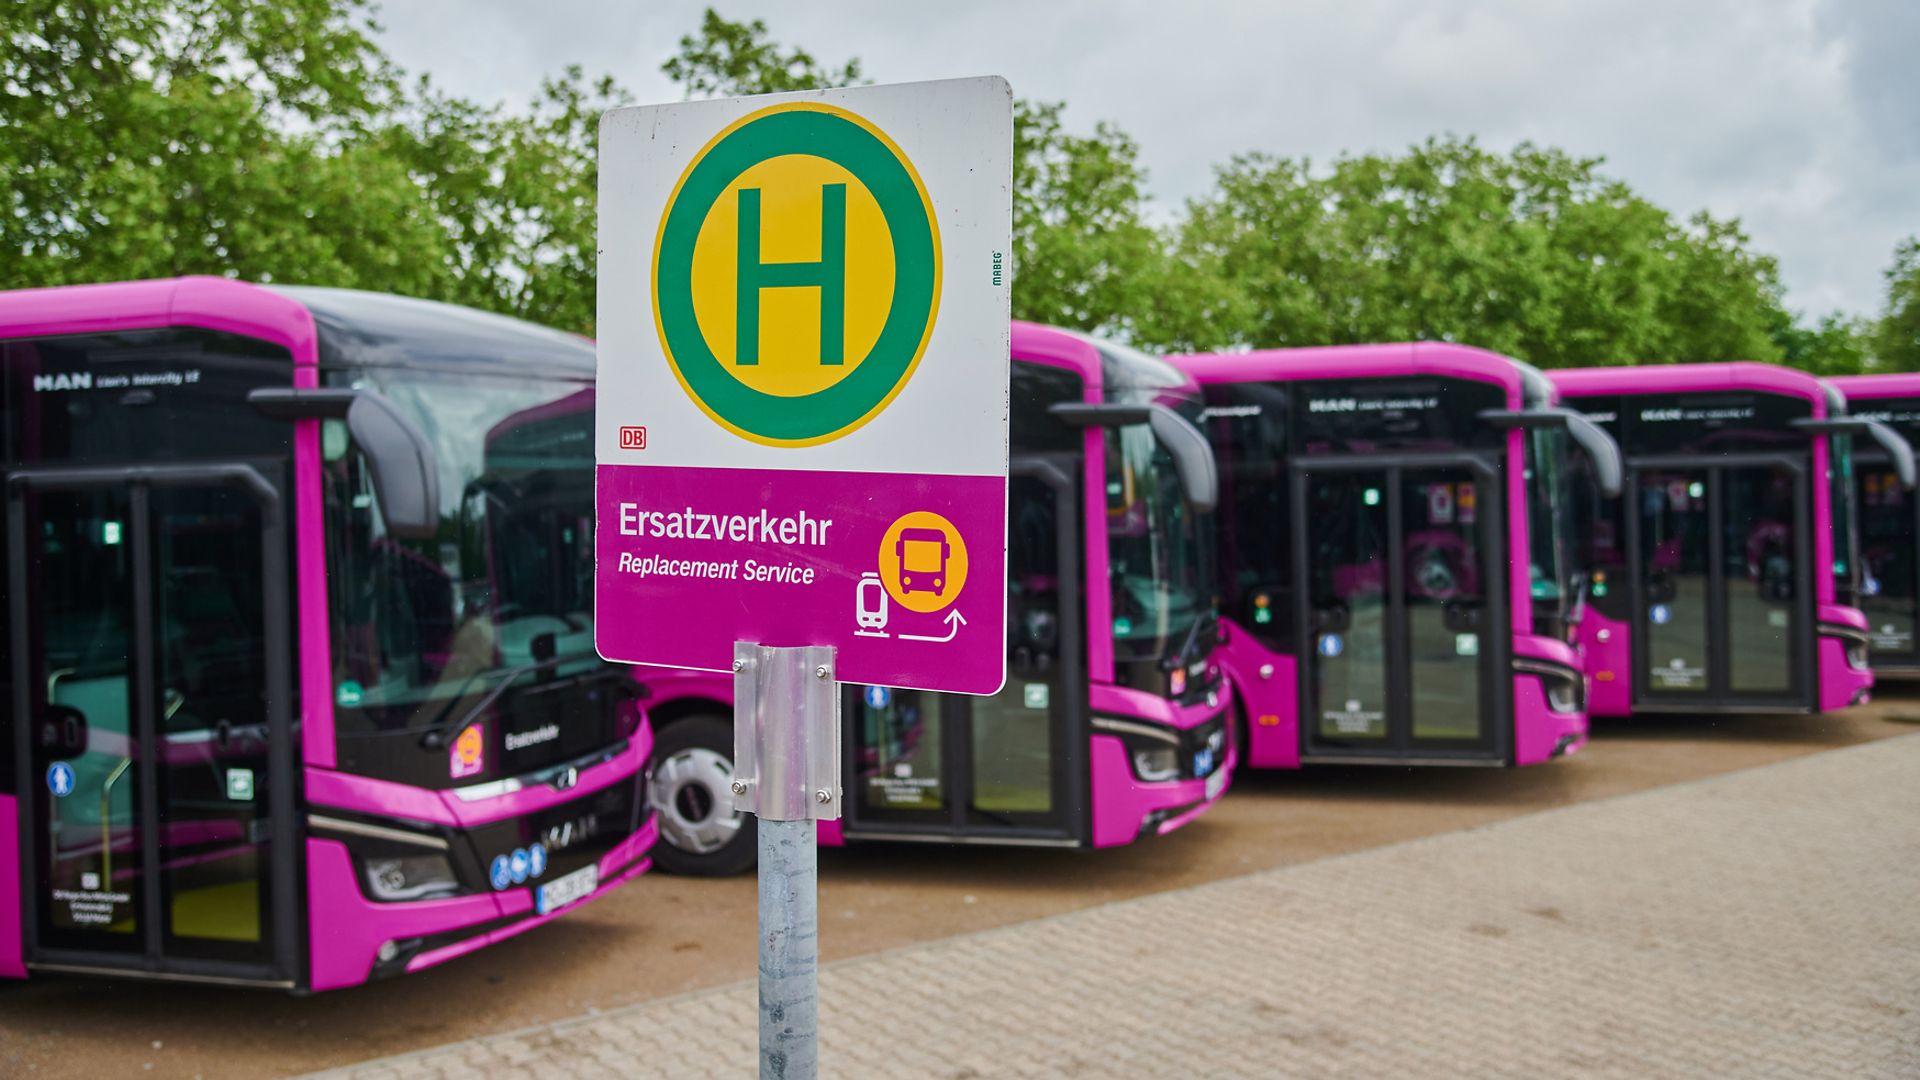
801	419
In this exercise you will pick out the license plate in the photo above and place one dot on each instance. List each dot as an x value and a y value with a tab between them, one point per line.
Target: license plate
1216	783
562	891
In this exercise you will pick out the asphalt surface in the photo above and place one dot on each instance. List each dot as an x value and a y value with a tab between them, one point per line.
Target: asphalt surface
664	936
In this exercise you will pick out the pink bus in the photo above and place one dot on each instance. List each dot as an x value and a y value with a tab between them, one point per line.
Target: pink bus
1888	532
1393	565
1719	582
302	688
1112	724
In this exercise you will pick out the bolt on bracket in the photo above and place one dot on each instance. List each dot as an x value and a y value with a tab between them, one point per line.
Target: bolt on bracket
786	732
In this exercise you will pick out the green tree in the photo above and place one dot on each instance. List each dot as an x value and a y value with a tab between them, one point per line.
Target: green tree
1897	337
1834	344
732	59
145	138
1535	254
514	196
1082	253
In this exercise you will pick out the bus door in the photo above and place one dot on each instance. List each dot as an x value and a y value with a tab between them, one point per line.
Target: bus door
1403	621
1007	768
1722	602
150	621
1890	553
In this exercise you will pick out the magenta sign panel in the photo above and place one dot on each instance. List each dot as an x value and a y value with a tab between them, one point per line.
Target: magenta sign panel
801	418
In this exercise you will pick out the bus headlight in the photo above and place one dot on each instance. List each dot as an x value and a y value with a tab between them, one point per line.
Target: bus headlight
1857	655
1157	763
410	877
1563	695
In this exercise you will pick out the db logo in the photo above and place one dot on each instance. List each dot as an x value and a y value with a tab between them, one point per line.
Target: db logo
633	438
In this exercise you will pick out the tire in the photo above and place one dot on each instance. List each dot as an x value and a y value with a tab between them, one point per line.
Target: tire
700	834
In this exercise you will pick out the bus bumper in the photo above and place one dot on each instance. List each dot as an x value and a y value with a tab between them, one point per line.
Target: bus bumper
1550	700
1845	669
1127	807
599	834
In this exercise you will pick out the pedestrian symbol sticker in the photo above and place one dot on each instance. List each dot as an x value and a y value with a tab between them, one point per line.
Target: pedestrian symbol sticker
878	697
1331	645
536	860
1661	614
796	274
519	864
60	779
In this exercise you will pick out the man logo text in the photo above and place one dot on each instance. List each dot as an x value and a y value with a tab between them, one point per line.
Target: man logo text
79	380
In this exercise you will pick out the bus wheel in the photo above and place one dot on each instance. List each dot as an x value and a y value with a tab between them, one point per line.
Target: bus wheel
700	833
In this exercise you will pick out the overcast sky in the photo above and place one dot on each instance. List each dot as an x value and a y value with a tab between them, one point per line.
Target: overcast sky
1800	117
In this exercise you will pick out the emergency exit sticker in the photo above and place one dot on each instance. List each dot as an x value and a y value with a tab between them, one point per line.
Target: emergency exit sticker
801	425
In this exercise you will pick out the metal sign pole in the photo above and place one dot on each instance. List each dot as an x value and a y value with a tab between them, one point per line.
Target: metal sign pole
786	741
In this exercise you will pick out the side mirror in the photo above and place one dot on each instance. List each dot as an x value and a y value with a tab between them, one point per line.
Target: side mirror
1192	456
1608	471
1191	452
406	477
1897	448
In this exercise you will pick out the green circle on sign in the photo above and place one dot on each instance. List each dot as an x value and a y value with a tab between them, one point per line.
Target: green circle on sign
813	129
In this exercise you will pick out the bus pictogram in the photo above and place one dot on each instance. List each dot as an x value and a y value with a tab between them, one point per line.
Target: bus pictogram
923	559
923	562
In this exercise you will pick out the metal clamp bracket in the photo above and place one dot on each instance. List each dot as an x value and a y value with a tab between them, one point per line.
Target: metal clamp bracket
786	733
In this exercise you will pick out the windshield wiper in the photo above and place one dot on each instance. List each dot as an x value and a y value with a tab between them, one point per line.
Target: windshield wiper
436	735
1188	643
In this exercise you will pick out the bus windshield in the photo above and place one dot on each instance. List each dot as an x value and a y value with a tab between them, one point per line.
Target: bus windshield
1158	551
1548	517
1846	528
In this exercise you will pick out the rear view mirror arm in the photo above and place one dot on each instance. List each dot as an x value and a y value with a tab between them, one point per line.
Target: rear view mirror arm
1192	456
406	476
1899	451
1609	473
1591	438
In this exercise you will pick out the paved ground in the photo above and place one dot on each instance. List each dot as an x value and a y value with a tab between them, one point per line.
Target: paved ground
665	936
1753	924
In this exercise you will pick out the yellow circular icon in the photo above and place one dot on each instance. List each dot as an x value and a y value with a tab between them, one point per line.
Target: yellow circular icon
923	562
786	357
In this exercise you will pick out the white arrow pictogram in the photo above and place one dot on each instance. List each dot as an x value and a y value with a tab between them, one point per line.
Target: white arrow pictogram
955	621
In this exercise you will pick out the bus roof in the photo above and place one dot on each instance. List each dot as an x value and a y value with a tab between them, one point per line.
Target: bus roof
315	324
379	329
209	303
1100	363
1681	378
1895	384
1522	381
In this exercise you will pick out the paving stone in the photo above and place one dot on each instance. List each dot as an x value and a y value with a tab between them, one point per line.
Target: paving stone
1753	924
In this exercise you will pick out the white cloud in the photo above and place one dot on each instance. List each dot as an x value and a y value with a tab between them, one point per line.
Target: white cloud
1797	116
